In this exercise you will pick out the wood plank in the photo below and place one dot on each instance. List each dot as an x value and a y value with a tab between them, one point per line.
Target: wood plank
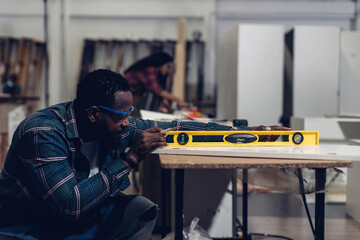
216	162
24	63
87	60
36	58
169	48
120	58
2	58
321	152
36	73
101	59
116	46
3	148
11	56
142	49
178	86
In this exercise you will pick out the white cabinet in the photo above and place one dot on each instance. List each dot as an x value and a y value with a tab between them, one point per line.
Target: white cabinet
350	72
331	129
250	74
353	192
313	55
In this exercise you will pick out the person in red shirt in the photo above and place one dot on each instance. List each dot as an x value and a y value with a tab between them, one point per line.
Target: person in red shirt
149	75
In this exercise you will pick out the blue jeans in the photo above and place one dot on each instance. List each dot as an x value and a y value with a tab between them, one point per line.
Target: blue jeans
121	217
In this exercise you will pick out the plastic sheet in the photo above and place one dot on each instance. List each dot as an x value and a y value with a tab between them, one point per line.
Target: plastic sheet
192	232
287	180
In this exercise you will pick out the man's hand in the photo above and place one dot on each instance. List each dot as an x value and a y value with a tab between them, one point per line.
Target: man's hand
269	138
148	141
182	104
270	128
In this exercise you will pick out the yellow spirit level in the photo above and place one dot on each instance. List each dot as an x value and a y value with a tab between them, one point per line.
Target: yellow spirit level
241	138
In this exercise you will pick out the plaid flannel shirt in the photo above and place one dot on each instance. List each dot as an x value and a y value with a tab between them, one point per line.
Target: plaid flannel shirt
144	80
46	171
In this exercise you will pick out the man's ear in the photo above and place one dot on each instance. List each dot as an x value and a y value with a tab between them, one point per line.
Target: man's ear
93	114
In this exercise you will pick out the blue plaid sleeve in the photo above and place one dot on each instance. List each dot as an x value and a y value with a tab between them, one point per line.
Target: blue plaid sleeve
43	150
137	125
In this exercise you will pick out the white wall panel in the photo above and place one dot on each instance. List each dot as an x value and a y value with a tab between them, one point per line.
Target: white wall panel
81	19
278	9
137	8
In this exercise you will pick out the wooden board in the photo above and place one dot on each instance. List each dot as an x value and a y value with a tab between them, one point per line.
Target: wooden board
3	148
87	62
217	162
102	50
322	152
178	86
25	50
2	58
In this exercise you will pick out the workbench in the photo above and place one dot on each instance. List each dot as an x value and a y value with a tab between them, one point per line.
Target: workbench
317	157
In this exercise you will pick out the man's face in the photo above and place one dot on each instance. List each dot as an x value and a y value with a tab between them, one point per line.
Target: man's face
112	124
165	69
163	74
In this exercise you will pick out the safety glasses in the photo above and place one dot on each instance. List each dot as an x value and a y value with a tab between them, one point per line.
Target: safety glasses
116	116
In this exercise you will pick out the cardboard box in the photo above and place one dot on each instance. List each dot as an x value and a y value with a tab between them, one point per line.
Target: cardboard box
5	109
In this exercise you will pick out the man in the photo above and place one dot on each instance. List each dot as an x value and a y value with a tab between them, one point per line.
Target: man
148	75
67	165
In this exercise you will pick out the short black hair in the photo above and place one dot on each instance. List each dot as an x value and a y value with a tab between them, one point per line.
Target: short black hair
156	60
98	88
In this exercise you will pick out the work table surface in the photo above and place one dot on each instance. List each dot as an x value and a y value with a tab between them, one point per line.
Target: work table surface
322	156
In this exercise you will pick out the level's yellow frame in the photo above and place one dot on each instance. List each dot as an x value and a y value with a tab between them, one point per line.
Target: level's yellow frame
311	138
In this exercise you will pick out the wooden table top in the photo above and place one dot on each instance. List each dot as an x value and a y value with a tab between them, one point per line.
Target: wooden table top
322	156
176	161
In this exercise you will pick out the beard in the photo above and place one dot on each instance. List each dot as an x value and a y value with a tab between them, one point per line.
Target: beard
104	135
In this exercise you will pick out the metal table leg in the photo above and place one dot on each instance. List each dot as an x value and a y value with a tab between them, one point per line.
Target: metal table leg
245	205
320	176
234	202
165	177
179	203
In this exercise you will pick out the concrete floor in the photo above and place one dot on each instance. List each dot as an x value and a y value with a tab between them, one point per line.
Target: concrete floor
284	214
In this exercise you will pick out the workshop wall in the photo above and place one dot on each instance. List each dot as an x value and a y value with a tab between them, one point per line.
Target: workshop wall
70	22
